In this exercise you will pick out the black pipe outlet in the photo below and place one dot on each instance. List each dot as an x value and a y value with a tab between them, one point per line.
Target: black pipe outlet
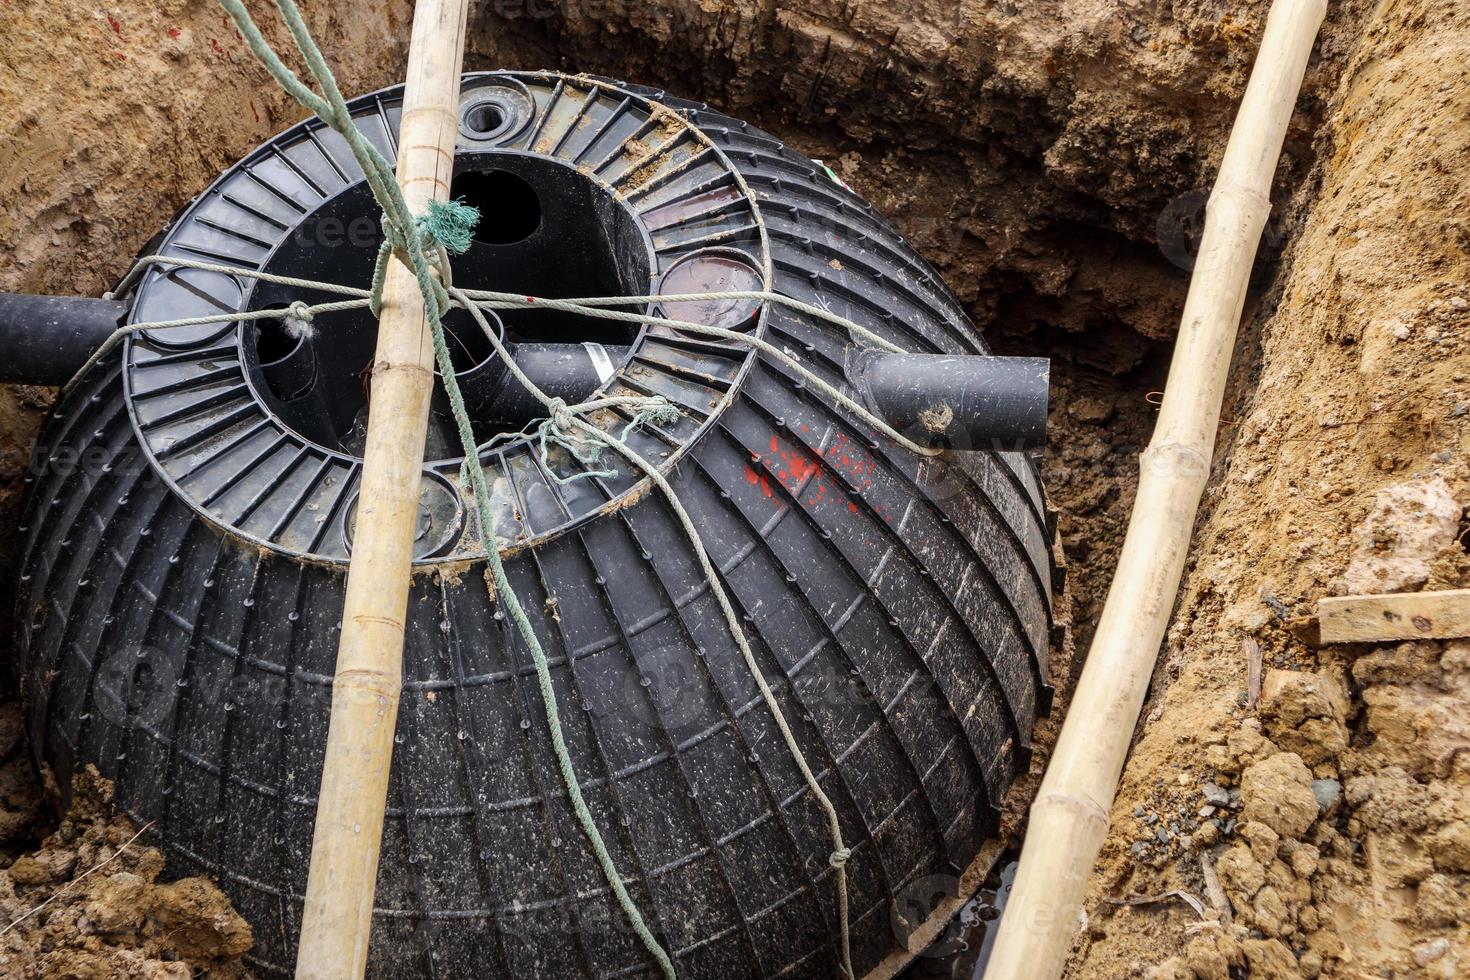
478	368
290	369
44	340
959	401
571	372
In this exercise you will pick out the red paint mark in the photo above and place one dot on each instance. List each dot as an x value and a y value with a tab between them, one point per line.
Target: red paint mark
120	56
530	299
214	44
759	479
254	113
803	467
175	32
112	22
805	474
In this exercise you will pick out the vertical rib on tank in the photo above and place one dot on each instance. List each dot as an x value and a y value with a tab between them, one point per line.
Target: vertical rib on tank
187	534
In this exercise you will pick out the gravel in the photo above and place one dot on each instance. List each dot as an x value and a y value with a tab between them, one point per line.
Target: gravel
1327	792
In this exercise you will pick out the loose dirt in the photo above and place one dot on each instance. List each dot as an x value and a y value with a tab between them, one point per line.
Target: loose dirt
87	902
1051	158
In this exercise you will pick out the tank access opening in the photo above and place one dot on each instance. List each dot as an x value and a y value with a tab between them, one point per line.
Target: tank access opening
544	230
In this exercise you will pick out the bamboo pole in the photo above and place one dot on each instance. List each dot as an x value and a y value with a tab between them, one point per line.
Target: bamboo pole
349	819
1069	818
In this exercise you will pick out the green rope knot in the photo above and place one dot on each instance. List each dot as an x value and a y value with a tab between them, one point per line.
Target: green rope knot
445	229
559	428
450	224
565	427
839	857
657	409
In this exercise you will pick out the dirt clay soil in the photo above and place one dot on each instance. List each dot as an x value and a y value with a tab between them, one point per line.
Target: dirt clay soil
1051	157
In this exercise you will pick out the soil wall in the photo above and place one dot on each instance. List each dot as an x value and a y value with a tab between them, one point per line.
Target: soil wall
1334	807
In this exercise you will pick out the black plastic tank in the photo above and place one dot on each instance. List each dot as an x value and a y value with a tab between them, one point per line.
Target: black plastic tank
191	515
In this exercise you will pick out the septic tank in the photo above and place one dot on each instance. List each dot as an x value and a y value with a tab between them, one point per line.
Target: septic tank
191	516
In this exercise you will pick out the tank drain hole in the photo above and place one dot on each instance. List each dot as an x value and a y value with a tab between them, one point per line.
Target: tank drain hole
510	209
484	119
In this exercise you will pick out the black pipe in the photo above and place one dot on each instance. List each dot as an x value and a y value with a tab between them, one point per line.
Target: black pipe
570	372
963	402
44	340
478	369
959	401
291	373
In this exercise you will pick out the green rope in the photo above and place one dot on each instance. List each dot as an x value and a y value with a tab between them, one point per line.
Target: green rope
450	223
446	227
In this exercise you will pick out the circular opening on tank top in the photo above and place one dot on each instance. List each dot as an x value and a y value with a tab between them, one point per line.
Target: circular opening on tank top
510	210
545	230
484	119
712	270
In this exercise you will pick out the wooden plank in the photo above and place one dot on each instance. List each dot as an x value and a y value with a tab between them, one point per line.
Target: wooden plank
1396	616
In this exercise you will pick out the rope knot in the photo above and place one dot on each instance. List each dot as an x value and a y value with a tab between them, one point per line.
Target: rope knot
656	409
297	321
443	230
839	857
559	414
449	224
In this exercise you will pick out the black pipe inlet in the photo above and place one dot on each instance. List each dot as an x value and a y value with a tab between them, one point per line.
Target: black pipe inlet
967	401
571	372
44	340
